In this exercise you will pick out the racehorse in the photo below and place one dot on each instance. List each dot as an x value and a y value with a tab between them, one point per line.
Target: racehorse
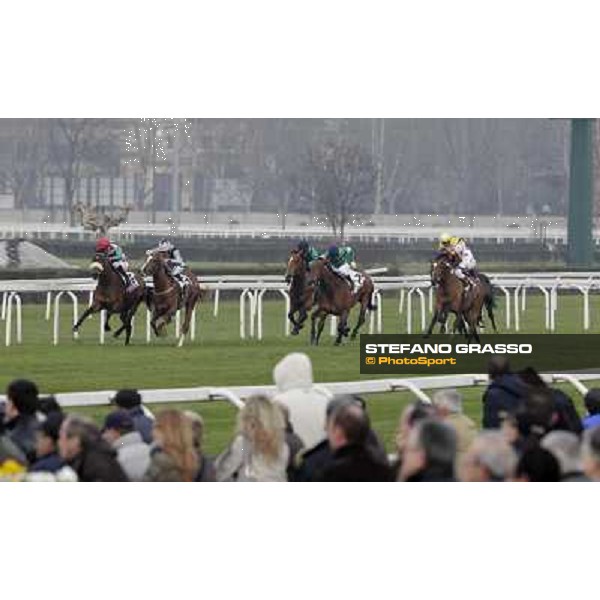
335	298
110	295
450	297
166	298
301	295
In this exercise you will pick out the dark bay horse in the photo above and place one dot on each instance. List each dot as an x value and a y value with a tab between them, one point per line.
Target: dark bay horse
166	298
110	295
335	298
451	298
301	294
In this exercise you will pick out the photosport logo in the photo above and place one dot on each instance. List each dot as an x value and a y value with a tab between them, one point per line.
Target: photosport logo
440	355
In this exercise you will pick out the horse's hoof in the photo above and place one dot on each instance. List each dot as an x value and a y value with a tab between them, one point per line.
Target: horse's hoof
295	332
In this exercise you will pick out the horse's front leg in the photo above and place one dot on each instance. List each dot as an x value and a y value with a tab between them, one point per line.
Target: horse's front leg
296	324
91	309
361	319
321	326
313	328
342	328
434	320
189	312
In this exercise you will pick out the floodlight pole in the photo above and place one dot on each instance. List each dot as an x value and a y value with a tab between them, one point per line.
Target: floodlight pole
581	176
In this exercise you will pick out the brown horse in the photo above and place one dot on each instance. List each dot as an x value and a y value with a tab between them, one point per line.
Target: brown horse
301	294
450	297
166	299
110	295
335	298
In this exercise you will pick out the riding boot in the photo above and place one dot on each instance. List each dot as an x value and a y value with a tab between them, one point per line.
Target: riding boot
124	278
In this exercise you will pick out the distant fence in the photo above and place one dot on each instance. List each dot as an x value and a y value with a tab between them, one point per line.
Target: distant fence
556	234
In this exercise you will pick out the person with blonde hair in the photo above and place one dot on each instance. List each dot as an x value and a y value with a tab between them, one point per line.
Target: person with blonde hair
258	451
174	457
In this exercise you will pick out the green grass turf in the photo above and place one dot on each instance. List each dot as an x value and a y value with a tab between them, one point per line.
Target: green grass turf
220	358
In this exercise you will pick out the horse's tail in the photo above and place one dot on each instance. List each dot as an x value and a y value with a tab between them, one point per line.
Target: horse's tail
372	304
490	296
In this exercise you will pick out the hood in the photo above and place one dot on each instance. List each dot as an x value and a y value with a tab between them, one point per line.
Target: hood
293	372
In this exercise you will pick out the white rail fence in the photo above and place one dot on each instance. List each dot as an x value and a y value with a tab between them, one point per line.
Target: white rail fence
418	386
556	234
415	292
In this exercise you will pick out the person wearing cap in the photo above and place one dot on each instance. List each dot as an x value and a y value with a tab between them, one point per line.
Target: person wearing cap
46	445
309	253
117	259
20	419
342	260
458	246
131	401
132	453
175	263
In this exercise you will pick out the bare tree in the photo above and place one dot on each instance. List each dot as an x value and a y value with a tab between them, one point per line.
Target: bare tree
74	146
343	177
24	159
99	220
145	150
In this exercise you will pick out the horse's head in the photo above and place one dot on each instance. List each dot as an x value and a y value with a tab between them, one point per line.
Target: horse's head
295	265
152	263
441	266
98	265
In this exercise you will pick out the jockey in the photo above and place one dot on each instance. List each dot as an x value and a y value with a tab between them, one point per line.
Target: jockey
465	270
175	262
117	259
343	262
308	252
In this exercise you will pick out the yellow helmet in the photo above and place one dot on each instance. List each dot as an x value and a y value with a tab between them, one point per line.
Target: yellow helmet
445	238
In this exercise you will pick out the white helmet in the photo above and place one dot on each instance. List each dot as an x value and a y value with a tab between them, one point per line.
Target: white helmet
165	245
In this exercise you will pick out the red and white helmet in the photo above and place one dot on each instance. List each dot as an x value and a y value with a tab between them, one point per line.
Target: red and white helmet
102	244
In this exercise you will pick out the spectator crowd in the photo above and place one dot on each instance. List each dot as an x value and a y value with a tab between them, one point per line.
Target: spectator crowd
529	432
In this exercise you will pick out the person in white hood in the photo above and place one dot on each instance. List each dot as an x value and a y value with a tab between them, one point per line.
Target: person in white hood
306	403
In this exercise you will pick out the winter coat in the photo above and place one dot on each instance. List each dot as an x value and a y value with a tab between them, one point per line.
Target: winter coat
51	463
10	451
22	430
97	463
240	463
465	429
162	467
309	463
432	474
502	396
142	423
207	472
295	446
591	421
307	405
133	455
355	463
568	418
